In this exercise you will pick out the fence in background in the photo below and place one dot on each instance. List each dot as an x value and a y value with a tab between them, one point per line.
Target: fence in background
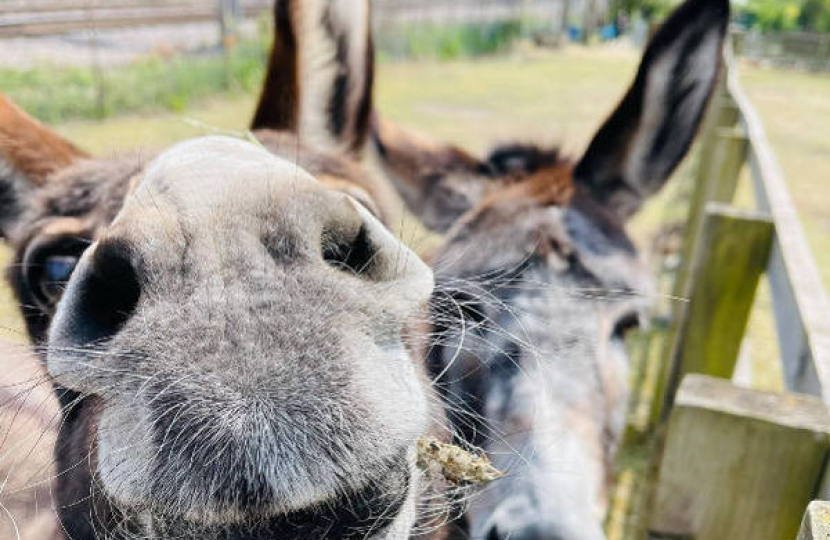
48	17
803	50
442	28
737	462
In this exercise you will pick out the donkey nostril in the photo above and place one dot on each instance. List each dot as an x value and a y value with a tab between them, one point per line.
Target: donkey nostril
528	532
494	535
106	293
355	255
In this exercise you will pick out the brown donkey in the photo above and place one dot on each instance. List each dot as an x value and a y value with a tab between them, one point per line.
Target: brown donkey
537	283
225	323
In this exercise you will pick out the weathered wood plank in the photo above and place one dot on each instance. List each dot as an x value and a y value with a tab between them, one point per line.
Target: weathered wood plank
738	463
721	156
816	522
799	298
732	252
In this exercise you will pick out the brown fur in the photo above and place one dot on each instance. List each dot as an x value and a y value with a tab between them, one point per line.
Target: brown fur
30	147
278	105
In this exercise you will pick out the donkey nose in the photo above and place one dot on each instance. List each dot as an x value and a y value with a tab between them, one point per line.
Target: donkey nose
523	518
532	531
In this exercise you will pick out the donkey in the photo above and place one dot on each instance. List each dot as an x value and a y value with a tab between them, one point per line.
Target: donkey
225	323
537	284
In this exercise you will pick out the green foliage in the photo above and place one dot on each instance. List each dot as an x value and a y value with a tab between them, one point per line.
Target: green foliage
763	15
815	16
55	94
651	10
447	42
772	15
786	15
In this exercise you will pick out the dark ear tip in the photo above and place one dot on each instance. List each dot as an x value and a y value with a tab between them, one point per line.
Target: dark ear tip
717	9
708	15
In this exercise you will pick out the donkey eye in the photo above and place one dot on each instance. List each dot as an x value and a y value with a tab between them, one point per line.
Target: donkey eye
49	263
58	268
56	271
625	324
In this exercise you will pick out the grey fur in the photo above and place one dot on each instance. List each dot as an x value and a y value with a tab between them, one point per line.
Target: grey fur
246	346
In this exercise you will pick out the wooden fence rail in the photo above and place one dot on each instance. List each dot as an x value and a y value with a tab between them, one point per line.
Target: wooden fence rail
46	17
55	17
802	310
809	50
738	463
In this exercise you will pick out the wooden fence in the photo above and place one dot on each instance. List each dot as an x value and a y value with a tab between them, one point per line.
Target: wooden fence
737	462
462	11
46	17
37	18
805	50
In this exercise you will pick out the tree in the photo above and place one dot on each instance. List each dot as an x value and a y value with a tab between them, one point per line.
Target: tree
815	16
650	9
773	15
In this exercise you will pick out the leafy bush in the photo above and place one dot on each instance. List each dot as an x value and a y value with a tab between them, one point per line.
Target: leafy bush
786	15
775	15
651	10
447	42
764	15
815	16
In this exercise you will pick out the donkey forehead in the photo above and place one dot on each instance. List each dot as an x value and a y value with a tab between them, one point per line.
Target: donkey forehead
220	171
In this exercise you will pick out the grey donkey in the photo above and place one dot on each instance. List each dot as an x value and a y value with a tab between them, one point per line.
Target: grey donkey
537	283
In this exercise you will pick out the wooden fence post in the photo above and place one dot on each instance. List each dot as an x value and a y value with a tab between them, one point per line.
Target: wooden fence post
816	522
732	252
728	158
738	463
722	155
564	26
230	15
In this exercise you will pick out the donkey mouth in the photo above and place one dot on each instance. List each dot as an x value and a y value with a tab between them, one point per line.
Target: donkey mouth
223	467
373	512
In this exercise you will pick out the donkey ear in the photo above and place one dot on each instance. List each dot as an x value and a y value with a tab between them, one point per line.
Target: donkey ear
644	139
319	80
29	153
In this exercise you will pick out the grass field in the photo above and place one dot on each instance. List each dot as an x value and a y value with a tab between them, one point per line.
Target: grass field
558	97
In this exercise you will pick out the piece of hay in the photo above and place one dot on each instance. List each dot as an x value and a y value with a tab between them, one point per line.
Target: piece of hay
457	465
